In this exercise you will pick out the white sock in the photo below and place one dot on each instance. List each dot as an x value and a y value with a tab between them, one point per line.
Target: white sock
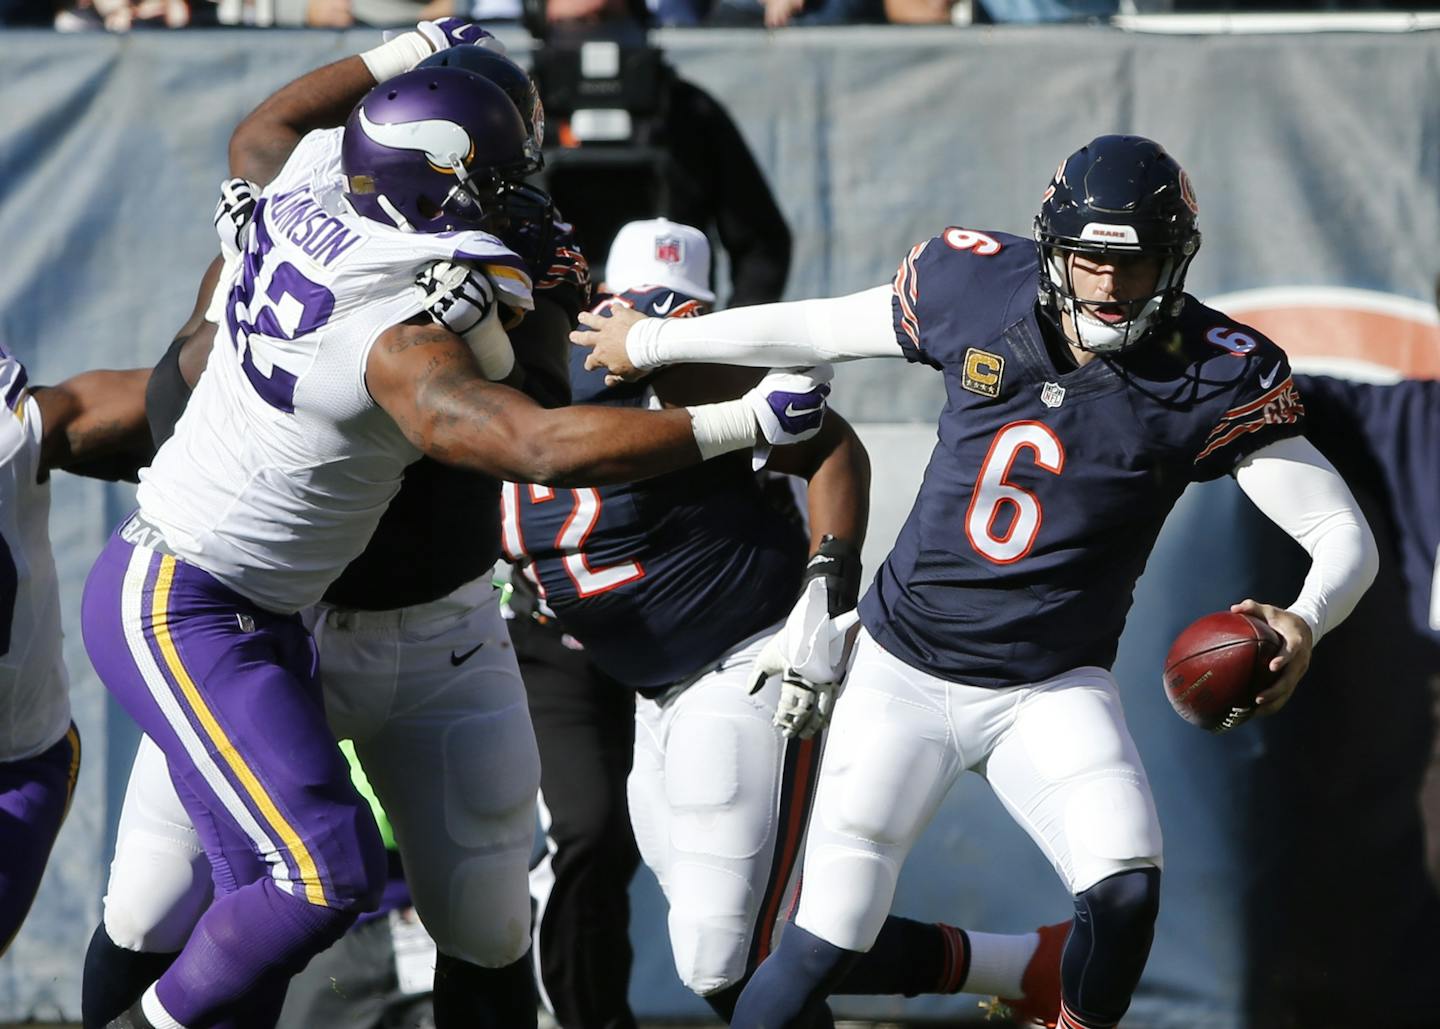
155	1011
997	962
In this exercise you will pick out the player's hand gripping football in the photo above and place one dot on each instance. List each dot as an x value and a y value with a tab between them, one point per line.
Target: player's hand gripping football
811	650
1293	660
605	336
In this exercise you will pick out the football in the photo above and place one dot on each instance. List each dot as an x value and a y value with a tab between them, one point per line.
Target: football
1215	668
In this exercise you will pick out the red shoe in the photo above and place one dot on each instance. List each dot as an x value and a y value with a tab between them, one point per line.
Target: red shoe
1041	981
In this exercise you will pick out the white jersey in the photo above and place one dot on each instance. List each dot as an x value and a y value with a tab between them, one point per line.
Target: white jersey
34	690
282	463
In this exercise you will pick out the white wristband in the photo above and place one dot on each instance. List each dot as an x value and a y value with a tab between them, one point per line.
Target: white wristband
397	56
723	427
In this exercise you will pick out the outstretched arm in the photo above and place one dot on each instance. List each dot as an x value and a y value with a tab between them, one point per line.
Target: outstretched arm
323	98
94	423
1300	491
426	378
794	334
318	99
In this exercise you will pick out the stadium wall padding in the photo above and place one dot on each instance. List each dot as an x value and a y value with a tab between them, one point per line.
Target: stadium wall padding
1295	891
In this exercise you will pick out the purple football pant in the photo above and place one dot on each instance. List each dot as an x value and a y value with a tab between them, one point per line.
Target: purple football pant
230	693
34	797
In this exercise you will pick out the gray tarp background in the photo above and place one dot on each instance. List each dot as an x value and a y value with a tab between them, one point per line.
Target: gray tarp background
1317	162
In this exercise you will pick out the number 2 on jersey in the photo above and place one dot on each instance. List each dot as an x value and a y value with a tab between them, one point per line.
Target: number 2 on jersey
994	493
570	540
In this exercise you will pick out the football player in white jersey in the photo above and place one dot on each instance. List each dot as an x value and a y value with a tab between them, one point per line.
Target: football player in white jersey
414	662
323	385
92	423
1085	391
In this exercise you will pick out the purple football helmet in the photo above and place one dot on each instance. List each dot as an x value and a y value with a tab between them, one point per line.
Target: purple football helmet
434	150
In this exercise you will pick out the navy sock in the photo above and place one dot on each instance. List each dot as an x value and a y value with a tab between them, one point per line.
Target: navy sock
471	997
114	978
909	958
789	988
1114	926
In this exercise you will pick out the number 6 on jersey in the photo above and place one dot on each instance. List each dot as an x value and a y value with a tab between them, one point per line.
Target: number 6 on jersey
994	492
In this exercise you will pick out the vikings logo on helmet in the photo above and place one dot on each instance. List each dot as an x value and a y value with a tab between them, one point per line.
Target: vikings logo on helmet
445	145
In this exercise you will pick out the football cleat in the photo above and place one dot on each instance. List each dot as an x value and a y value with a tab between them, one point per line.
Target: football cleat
1041	982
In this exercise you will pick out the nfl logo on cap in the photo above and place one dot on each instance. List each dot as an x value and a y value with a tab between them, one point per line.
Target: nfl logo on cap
657	252
669	250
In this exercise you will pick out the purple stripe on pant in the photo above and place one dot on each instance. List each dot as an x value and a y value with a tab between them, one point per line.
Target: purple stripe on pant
230	693
34	796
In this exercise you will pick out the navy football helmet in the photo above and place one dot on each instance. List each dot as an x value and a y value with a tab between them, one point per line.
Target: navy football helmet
1117	195
506	74
434	150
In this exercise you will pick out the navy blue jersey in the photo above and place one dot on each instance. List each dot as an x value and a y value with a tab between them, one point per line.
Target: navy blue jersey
1047	489
1385	439
656	578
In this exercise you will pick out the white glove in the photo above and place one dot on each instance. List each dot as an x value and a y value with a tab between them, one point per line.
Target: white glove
443	33
233	214
461	297
790	405
811	650
809	641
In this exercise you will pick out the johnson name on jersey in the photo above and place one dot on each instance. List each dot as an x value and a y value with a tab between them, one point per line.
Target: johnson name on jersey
34	690
1047	487
657	578
282	463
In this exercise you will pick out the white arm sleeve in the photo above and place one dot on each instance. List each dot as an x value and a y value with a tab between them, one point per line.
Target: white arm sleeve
1298	490
803	332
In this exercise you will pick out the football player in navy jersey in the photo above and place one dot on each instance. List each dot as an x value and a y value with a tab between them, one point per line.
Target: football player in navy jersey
1086	390
675	587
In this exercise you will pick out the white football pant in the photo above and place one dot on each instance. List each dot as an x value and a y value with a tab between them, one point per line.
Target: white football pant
1057	754
718	802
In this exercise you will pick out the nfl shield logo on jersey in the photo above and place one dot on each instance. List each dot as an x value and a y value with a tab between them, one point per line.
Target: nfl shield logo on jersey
1053	394
669	249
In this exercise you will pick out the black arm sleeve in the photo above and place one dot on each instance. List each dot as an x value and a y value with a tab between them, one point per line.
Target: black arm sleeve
542	349
166	394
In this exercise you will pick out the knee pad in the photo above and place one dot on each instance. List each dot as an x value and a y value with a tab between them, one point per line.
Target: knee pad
721	774
1110	943
1111	827
1124	903
710	947
158	890
492	777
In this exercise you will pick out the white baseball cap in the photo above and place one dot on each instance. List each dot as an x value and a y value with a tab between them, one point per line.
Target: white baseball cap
659	252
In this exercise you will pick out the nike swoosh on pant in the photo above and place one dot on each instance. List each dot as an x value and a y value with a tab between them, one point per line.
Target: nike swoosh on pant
459	659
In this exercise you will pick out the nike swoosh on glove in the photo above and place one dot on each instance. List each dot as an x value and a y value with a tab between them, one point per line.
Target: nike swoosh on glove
789	407
444	33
